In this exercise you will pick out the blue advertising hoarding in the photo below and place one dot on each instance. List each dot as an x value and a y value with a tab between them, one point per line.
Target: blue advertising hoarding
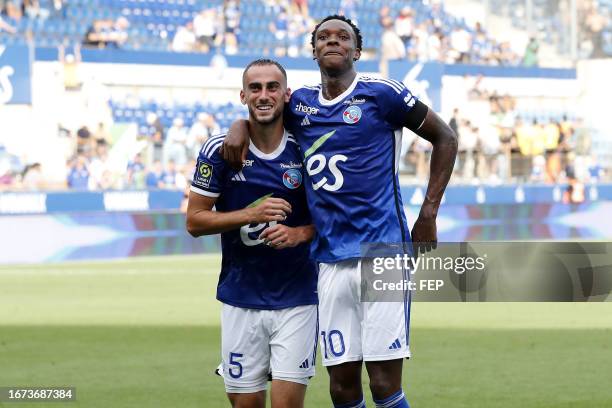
15	75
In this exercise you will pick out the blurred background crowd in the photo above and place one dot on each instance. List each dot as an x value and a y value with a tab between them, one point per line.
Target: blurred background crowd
506	144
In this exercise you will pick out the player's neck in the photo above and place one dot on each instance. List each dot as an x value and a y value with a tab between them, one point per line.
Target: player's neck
335	84
266	137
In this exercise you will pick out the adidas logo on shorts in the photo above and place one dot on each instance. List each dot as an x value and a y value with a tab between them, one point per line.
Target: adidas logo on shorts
396	345
305	364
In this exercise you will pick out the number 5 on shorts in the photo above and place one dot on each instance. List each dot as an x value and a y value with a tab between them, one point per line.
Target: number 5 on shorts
236	365
329	339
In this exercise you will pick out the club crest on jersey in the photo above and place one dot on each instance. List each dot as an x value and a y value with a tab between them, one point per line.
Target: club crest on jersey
352	114
292	179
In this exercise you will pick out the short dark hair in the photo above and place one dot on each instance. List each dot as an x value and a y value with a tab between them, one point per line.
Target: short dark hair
341	18
261	62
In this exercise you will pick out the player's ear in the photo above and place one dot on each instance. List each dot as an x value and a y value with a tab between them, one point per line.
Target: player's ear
287	95
242	97
357	54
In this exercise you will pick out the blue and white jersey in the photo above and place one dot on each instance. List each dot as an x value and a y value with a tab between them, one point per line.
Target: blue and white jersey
254	275
351	151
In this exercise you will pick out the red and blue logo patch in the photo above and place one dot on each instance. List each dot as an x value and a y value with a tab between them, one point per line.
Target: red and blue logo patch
352	114
292	179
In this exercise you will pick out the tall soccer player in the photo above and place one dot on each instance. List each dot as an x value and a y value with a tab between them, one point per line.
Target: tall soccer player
349	129
268	281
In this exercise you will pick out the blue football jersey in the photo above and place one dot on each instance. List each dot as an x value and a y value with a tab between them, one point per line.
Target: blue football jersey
351	151
254	275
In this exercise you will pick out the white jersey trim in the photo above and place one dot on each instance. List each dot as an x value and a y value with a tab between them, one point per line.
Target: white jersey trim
204	192
390	84
340	97
270	156
211	145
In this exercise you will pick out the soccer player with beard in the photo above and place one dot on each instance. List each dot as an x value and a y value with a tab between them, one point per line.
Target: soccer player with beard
349	130
268	281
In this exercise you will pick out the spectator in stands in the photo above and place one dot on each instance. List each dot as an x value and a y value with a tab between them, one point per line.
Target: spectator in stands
454	121
157	137
32	177
490	149
4	26
7	178
552	136
574	193
58	8
102	136
107	33
118	34
279	27
467	146
13	10
418	46
155	175
404	25
135	175
33	10
296	30
198	134
392	47
348	8
184	39
461	43
204	26
78	173
175	146
84	140
530	58
231	24
100	175
172	178
301	7
595	25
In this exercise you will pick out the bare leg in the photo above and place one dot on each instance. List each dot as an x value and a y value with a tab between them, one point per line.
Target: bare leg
250	400
287	394
345	382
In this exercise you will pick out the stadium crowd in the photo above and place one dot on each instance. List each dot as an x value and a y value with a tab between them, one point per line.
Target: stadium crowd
501	147
504	146
164	159
429	38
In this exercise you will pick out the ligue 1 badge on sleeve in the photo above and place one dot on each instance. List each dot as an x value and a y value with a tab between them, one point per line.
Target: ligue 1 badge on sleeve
203	174
352	114
292	179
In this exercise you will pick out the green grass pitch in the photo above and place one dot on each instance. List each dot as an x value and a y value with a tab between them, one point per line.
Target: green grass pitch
145	333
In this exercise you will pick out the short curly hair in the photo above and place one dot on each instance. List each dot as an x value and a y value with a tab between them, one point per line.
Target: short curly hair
341	18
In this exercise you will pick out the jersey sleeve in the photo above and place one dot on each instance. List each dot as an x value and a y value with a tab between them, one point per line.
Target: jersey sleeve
210	169
397	104
289	116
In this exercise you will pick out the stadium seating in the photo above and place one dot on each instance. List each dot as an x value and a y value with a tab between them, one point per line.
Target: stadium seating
153	23
224	114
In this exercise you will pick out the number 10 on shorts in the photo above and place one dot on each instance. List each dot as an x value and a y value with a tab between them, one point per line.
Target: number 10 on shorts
334	341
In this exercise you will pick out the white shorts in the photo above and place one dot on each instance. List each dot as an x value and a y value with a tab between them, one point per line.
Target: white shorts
257	342
351	330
